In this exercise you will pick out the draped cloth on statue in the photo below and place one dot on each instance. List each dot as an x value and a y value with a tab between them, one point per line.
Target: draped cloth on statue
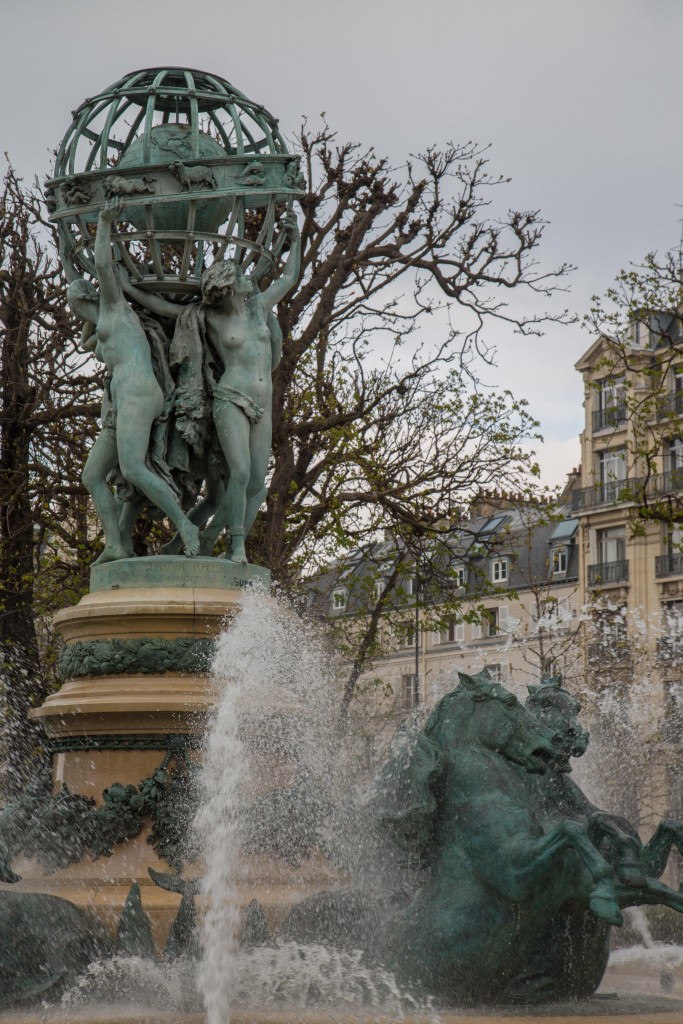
183	440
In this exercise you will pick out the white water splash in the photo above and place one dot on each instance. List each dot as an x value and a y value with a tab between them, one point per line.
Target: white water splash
273	686
240	667
637	918
277	698
287	977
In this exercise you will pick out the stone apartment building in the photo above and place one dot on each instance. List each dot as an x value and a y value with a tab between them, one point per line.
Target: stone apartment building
515	610
594	592
630	566
630	558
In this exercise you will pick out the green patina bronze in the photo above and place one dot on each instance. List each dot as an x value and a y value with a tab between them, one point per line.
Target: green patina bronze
123	741
510	842
177	572
517	877
147	655
45	943
188	186
59	829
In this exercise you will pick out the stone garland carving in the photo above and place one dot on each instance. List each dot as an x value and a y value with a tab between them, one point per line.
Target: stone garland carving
146	655
136	741
58	829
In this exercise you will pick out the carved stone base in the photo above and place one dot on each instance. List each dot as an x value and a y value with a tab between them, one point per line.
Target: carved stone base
127	705
120	645
106	726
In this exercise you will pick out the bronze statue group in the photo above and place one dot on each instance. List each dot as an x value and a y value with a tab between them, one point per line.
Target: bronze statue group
186	411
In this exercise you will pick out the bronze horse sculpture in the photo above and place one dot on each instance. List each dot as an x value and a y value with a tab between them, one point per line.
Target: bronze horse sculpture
570	956
498	871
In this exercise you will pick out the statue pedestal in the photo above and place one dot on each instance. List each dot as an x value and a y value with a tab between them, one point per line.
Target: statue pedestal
136	662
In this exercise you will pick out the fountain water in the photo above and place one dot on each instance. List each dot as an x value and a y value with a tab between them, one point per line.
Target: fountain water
274	726
275	779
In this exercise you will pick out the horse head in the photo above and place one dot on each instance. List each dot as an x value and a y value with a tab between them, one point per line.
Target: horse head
557	710
482	713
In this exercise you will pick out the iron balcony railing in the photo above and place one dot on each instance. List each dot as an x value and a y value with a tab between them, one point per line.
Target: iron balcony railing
633	489
672	405
608	572
609	493
612	416
669	565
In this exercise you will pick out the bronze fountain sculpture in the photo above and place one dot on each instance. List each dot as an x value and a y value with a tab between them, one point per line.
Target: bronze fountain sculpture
174	193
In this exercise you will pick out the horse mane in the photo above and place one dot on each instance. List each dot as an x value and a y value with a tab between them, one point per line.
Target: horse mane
408	780
545	695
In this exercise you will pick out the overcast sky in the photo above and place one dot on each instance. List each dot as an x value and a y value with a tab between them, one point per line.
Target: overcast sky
579	98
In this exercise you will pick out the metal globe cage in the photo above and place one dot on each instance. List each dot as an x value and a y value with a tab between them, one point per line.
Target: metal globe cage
202	173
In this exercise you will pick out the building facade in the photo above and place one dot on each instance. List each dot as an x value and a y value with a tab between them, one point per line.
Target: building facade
591	589
514	608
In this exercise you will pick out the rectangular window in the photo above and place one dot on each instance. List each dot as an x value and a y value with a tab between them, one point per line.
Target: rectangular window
611	545
380	587
612	465
459	576
611	393
455	633
674	456
340	599
499	570
476	631
406	634
497	672
674	540
611	405
490	622
554	611
559	561
386	634
673	618
676	405
409	691
412	586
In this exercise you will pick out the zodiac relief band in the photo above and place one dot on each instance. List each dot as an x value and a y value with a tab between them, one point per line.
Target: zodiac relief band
187	405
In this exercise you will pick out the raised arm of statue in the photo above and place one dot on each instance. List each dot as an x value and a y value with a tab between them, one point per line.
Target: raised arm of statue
275	332
154	303
134	400
279	288
110	285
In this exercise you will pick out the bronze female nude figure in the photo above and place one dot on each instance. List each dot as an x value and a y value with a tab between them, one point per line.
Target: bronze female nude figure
237	320
135	396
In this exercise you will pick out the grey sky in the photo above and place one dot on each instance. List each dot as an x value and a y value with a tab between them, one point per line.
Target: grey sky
578	98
